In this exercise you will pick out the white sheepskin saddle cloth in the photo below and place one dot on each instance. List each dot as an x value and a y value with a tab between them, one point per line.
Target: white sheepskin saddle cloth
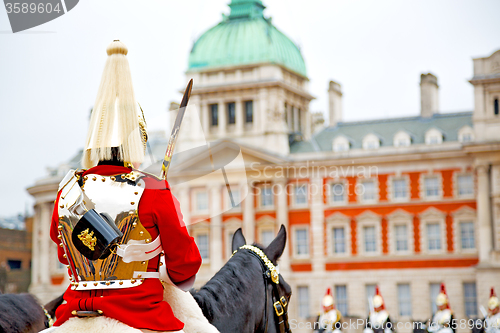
183	305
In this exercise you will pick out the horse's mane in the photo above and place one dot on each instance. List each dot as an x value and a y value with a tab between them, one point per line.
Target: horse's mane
19	313
226	288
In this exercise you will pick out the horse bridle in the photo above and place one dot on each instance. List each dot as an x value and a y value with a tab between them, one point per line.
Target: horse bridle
271	276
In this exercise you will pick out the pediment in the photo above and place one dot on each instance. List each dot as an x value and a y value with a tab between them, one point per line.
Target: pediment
432	213
400	214
464	212
337	217
368	216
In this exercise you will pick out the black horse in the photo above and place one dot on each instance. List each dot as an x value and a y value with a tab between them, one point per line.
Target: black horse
23	313
236	299
419	326
478	326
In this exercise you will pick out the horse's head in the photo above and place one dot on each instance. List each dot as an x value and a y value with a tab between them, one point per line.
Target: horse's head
419	326
271	311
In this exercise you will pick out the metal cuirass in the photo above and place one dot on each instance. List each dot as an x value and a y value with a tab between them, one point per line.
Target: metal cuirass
118	196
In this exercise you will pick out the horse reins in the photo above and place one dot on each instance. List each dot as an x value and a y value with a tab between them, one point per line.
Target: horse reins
271	276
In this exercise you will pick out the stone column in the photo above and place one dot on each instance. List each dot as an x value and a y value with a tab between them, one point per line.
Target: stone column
249	214
296	119
205	119
222	118
483	212
317	222
36	252
240	117
45	219
282	219
215	227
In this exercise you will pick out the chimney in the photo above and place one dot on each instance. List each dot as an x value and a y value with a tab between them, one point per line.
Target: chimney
334	103
429	99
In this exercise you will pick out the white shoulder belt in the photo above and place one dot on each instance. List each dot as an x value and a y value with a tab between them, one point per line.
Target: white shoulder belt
139	250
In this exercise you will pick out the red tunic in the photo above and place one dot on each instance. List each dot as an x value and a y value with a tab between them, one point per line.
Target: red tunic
140	307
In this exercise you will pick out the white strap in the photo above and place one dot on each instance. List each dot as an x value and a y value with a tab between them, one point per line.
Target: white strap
139	250
146	275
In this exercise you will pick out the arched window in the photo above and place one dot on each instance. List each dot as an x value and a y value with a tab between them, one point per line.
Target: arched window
495	106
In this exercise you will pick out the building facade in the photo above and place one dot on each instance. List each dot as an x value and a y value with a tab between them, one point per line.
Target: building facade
405	203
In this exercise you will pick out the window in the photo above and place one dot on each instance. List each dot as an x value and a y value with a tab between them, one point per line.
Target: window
470	299
433	237
370	239
465	185
301	242
266	237
14	264
371	141
467	235
201	201
341	299
433	136
466	134
401	139
303	302
404	300
231	113
400	188
431	186
202	242
495	107
337	191
266	197
340	144
435	288
370	292
338	240
401	232
368	190
249	111
236	201
214	114
300	195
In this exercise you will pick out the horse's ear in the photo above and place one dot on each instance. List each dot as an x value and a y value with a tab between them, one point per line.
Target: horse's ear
275	249
238	240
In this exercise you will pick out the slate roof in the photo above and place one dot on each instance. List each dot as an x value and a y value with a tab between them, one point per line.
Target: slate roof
448	123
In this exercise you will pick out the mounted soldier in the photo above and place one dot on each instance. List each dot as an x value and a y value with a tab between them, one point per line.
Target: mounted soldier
442	321
119	230
329	319
378	319
492	319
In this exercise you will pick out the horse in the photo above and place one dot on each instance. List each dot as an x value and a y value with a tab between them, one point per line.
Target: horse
23	313
419	326
229	302
478	326
239	297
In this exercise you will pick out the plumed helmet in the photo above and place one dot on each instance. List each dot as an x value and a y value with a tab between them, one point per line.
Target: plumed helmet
378	301
493	302
117	127
327	300
442	297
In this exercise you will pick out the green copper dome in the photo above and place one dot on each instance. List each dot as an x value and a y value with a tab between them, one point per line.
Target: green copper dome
245	37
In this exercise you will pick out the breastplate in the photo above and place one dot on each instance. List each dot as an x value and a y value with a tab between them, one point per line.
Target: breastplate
119	197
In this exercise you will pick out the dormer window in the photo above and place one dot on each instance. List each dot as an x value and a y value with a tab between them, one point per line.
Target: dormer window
340	144
401	139
371	141
495	107
466	134
433	137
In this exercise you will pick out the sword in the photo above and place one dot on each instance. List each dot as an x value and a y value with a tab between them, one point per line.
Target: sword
175	131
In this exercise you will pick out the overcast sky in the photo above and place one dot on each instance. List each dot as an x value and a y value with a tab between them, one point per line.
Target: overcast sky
375	49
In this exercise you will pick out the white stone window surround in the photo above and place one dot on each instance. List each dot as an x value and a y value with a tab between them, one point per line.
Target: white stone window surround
296	228
371	141
464	214
202	228
401	139
293	196
456	193
195	193
369	219
359	184
466	134
400	217
433	136
338	220
432	216
265	223
341	144
345	193
390	187
423	189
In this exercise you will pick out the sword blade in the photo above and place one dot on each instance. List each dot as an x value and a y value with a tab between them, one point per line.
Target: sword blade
175	131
